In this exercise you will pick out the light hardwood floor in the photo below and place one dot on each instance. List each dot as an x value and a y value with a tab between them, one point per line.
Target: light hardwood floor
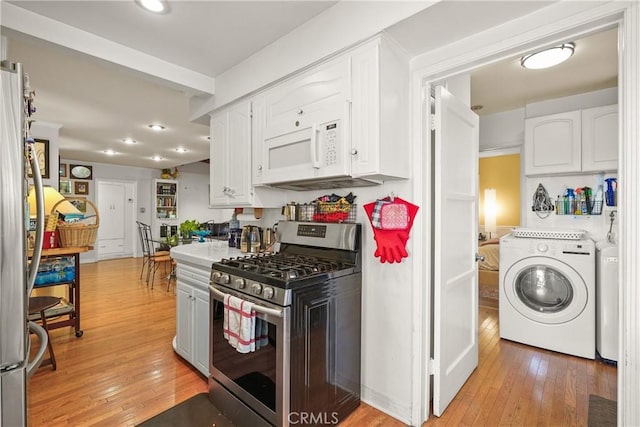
123	370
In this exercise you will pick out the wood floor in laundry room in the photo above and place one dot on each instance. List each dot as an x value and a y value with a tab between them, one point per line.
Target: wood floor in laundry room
123	370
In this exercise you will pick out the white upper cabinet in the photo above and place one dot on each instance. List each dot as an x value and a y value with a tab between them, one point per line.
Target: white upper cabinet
345	118
379	115
552	144
302	126
231	160
572	142
600	139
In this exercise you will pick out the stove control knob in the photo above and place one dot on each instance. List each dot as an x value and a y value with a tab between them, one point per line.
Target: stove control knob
240	283
267	292
256	288
224	279
215	277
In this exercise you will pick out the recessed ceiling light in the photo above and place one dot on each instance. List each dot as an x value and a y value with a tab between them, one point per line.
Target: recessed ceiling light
156	6
181	150
156	127
129	141
548	57
110	152
207	137
157	158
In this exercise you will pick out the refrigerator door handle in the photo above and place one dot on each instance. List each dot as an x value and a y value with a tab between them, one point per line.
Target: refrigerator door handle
39	193
33	366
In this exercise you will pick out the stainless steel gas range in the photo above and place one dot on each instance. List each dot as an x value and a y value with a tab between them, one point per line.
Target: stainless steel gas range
309	293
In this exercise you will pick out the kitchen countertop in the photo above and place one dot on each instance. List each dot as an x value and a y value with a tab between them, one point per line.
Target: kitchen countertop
204	254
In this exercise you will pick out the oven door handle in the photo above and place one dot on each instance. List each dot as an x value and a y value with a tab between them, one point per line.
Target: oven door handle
256	307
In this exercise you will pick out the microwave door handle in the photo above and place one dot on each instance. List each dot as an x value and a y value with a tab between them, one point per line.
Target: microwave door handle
256	307
314	147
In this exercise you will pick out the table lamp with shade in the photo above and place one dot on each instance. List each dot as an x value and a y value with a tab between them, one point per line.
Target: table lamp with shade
51	197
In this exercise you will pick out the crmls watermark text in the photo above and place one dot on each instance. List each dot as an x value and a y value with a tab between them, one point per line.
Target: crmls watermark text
313	418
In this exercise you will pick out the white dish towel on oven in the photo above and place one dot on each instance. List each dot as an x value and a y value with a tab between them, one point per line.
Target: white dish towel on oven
239	324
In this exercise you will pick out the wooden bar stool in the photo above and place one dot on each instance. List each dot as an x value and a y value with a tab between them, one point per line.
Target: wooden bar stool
39	305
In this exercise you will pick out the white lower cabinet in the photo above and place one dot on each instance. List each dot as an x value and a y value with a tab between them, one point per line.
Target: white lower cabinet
192	321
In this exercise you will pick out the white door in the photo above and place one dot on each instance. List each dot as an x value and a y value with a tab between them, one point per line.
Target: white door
455	233
111	207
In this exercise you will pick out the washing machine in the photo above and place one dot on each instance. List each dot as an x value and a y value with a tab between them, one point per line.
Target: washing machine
607	300
547	290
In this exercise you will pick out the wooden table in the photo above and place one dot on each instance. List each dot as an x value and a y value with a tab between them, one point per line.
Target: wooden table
73	309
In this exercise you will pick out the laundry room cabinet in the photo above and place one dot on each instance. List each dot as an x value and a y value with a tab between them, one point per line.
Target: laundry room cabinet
572	142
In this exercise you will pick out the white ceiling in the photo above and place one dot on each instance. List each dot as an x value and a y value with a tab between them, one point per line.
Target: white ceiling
98	103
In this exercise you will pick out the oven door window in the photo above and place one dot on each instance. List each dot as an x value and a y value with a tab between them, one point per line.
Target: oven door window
254	372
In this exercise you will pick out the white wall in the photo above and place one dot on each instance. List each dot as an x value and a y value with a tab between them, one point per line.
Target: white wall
50	132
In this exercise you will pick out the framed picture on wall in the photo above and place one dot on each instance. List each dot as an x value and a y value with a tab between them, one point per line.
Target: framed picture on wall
42	154
64	187
81	187
81	172
63	171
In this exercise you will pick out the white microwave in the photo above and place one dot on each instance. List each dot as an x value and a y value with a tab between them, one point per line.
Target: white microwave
315	150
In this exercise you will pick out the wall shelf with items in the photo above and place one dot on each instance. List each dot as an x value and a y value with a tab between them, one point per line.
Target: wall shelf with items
166	199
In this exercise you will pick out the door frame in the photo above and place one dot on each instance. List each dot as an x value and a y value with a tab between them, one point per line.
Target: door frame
131	188
552	24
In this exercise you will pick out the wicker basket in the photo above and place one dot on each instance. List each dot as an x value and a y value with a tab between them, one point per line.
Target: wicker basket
77	234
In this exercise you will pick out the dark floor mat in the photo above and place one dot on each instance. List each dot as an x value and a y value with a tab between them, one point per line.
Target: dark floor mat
602	412
196	411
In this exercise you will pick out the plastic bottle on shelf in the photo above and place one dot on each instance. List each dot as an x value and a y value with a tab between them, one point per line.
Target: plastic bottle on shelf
559	206
579	197
571	201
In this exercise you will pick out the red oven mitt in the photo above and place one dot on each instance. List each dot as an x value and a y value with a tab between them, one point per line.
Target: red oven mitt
391	243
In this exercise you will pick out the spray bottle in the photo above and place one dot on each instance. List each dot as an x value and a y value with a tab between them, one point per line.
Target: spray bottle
611	195
571	201
578	207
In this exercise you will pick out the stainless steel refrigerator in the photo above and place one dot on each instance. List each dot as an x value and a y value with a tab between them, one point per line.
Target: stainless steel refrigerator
17	274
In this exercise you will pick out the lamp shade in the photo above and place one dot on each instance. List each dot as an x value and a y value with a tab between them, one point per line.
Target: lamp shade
51	197
490	209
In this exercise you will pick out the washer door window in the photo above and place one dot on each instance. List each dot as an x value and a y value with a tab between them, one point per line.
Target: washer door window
545	290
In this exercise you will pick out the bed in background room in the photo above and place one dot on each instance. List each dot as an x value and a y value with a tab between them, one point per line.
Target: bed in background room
488	272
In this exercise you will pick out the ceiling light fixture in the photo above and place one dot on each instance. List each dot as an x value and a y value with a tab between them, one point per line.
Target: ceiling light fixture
548	57
181	150
155	6
156	127
157	158
129	141
110	152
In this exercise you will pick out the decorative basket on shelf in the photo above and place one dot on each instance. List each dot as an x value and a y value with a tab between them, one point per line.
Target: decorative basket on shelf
78	233
335	212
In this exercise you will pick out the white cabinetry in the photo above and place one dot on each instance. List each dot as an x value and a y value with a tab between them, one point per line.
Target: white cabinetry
230	162
552	144
380	129
192	316
291	120
111	206
347	117
572	142
230	155
600	139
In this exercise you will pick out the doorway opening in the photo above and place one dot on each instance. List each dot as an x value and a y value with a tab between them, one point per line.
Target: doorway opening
524	195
